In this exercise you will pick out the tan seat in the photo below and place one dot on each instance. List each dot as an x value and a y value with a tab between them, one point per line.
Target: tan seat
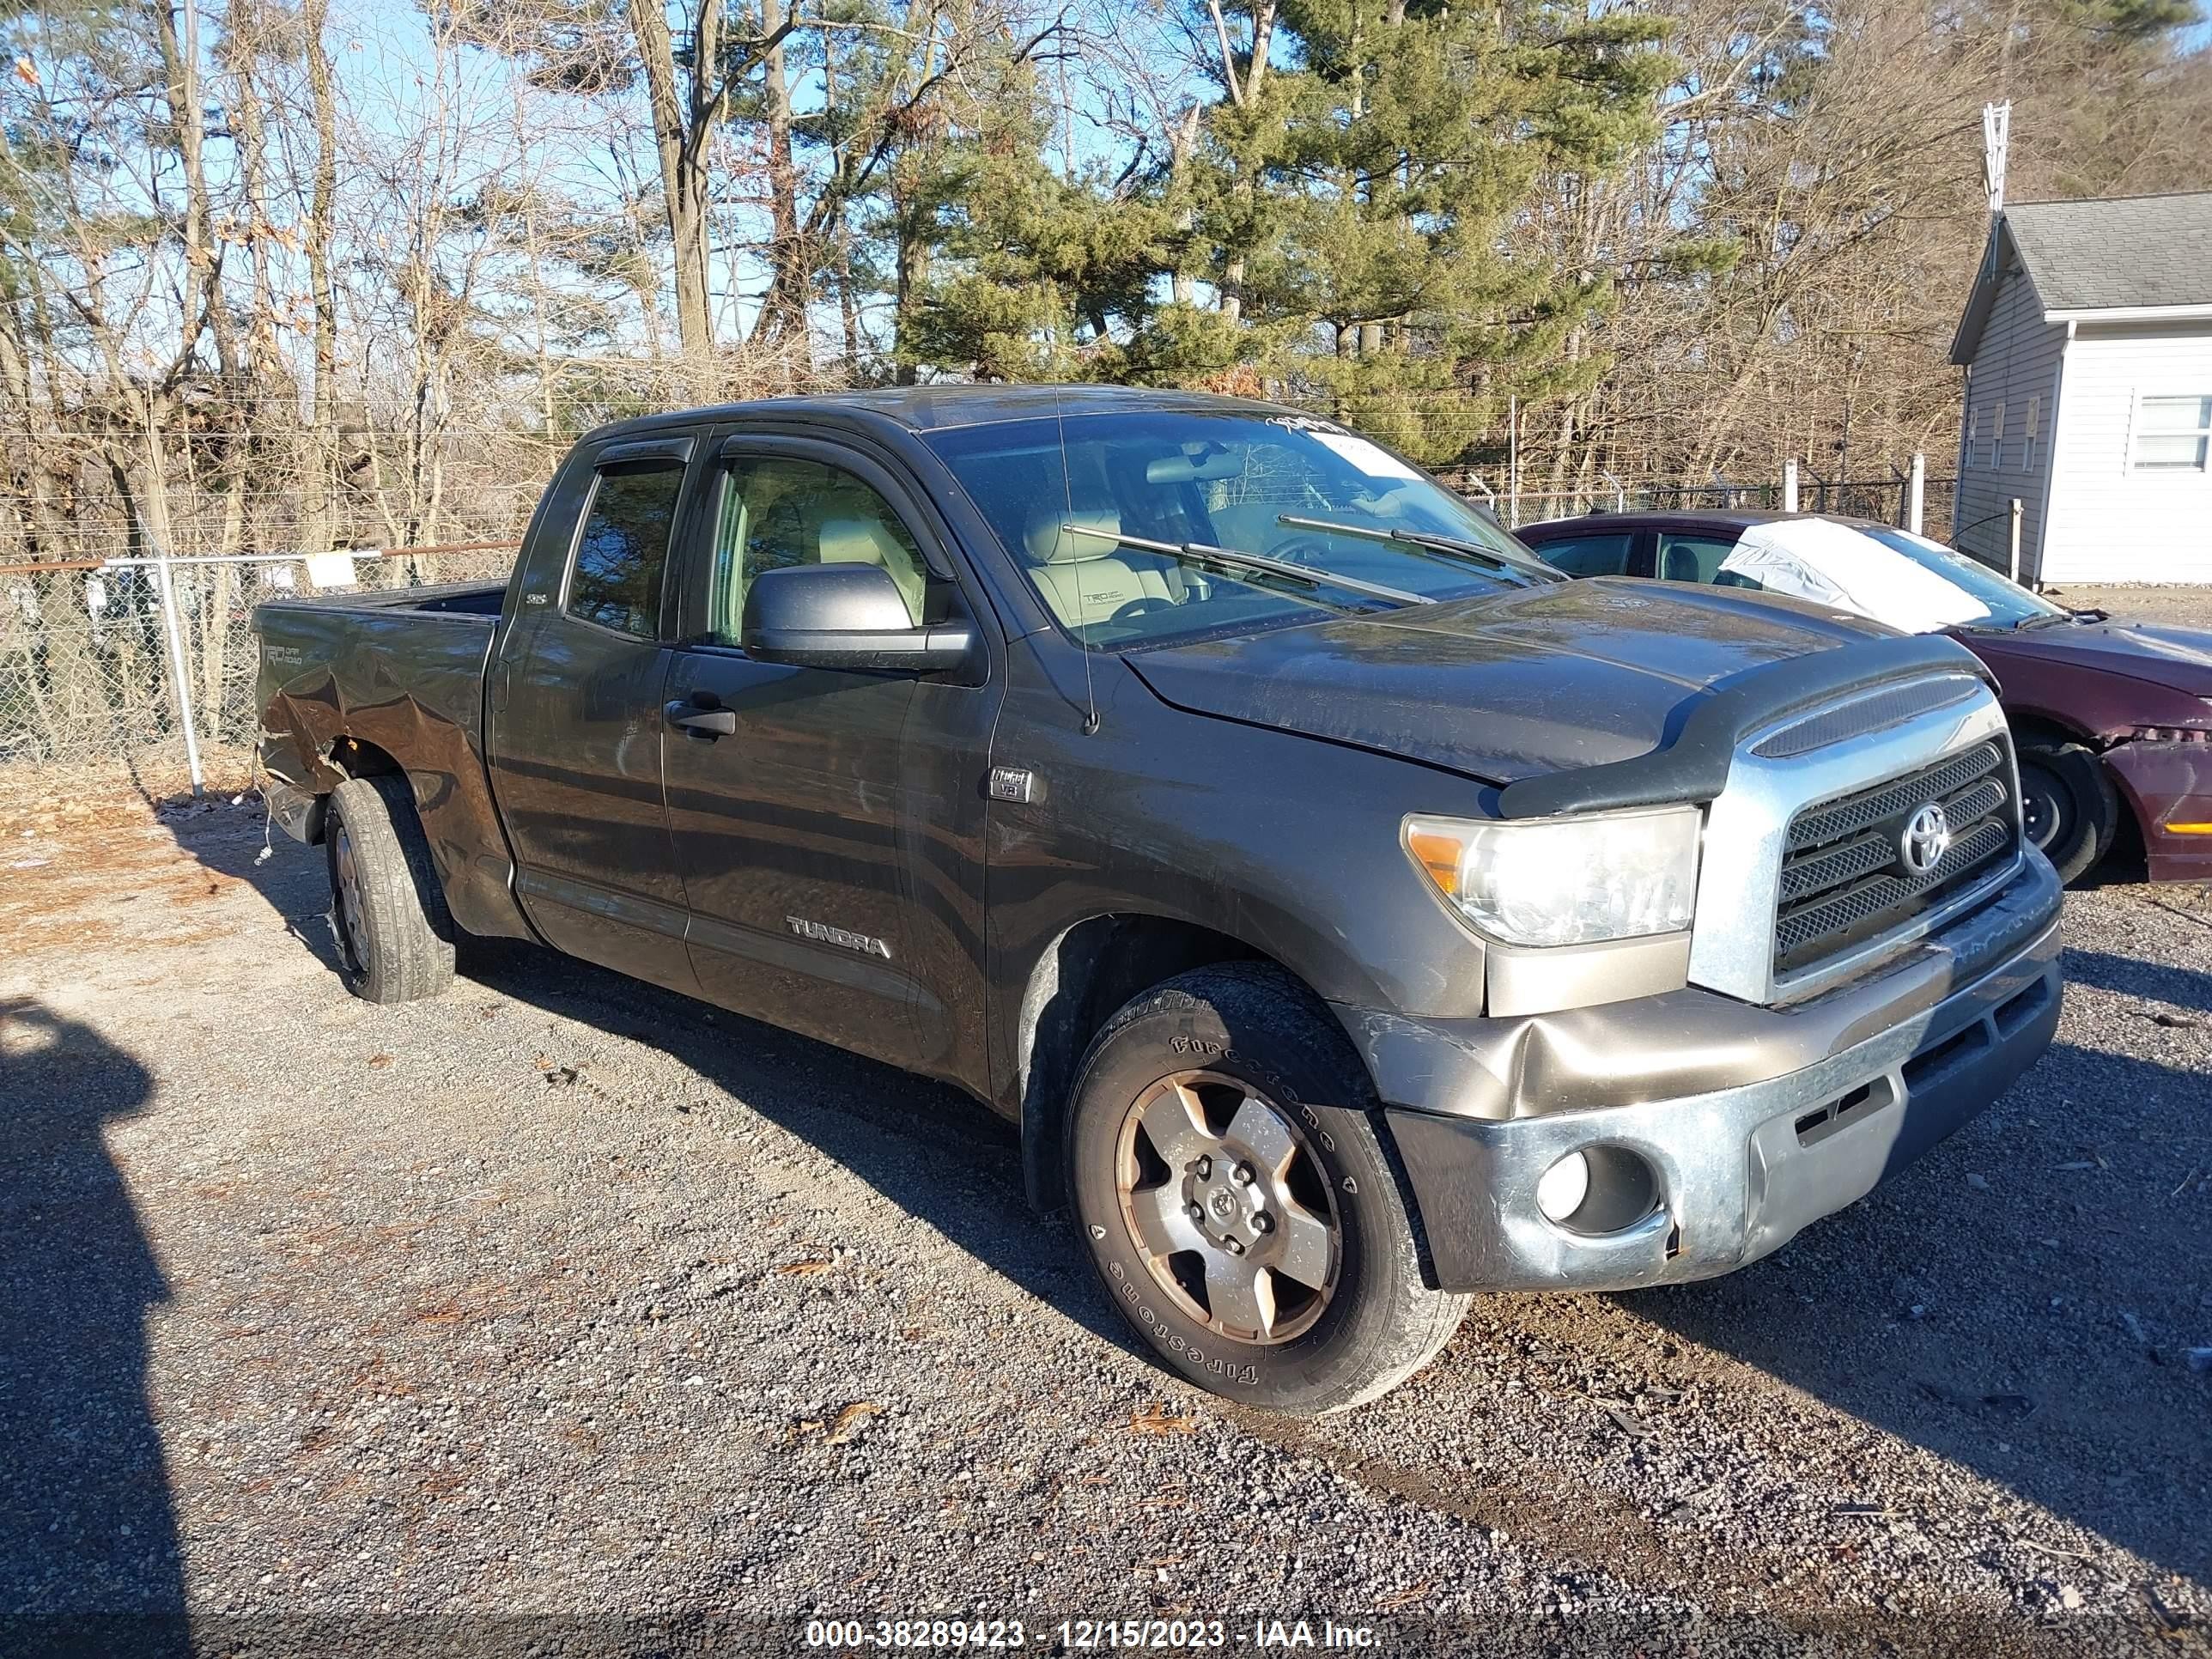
870	541
1086	578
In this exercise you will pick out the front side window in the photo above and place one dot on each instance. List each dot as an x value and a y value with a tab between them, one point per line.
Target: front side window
777	511
1101	513
1692	558
622	551
2172	434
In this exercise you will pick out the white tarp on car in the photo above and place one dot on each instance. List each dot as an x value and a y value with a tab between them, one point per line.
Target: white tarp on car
1833	564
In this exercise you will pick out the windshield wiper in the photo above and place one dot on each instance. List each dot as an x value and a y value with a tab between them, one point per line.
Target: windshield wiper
2040	620
1205	553
1504	564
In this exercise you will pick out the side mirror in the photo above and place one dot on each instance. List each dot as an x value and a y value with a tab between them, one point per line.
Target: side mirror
844	615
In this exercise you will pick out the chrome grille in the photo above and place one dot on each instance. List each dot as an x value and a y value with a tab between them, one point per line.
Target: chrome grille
1843	881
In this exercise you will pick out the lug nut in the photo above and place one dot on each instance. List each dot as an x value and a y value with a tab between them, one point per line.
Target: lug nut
1263	1223
1203	1169
1232	1247
1195	1211
1244	1175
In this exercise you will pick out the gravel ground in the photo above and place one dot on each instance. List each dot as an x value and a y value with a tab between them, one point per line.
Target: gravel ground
561	1313
2189	606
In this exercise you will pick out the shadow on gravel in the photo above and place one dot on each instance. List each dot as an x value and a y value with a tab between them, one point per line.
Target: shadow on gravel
88	1558
944	1158
292	879
2183	987
2030	1327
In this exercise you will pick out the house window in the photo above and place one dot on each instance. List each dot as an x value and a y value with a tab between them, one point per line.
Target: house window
2032	413
2172	434
1996	435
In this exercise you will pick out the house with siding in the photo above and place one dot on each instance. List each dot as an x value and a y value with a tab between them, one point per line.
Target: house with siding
2087	347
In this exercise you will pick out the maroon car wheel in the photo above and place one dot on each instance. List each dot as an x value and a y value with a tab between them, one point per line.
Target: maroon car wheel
2067	805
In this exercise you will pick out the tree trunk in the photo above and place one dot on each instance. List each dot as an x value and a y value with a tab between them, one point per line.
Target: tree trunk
318	530
683	174
783	309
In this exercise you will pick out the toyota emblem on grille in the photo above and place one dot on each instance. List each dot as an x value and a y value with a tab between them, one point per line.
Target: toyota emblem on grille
1927	837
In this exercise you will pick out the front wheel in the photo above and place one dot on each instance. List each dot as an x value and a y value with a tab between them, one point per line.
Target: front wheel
1239	1202
2067	805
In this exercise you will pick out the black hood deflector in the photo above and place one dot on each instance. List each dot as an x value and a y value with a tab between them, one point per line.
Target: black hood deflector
1574	698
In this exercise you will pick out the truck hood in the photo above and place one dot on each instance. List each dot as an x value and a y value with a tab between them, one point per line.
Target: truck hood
1503	687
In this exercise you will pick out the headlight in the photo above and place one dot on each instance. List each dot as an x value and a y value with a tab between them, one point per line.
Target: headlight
1564	881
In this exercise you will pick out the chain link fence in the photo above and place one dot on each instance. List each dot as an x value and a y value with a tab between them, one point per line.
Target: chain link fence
137	676
1888	500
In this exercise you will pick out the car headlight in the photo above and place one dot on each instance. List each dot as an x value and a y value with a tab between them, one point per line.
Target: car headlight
1564	881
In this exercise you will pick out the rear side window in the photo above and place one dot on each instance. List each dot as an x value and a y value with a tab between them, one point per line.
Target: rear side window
1588	555
624	549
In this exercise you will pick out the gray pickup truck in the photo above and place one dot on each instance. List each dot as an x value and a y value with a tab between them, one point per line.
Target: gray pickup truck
1352	913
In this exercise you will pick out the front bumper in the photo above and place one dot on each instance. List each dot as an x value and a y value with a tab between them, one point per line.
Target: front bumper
2169	783
1737	1170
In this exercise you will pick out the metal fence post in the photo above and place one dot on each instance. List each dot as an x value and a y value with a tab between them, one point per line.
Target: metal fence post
179	680
1915	494
1789	485
2013	512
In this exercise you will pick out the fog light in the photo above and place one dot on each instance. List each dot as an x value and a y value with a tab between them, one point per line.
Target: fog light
1561	1188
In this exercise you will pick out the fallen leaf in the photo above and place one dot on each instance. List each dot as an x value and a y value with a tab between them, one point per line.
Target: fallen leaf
820	1264
1156	1418
852	1422
378	1062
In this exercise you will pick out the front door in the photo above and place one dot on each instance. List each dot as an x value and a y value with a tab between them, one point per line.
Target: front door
576	727
790	823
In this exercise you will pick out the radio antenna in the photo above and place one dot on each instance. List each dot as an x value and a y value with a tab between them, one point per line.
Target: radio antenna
1081	611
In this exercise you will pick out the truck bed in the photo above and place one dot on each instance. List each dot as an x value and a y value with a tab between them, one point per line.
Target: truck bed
395	681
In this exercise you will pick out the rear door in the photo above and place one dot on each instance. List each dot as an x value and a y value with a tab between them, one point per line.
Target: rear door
576	730
804	827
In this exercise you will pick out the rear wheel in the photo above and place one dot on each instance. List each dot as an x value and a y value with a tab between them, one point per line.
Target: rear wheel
395	937
1237	1201
2067	805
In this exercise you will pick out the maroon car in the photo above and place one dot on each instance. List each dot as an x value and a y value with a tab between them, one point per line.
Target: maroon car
2112	720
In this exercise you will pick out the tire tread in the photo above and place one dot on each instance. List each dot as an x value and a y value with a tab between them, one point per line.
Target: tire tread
410	930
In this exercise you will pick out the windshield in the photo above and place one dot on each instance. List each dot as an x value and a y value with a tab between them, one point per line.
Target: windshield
1171	478
2009	605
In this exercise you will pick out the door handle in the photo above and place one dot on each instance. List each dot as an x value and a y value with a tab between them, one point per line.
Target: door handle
699	722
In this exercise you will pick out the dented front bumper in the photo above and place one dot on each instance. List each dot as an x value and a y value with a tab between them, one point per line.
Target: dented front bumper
1748	1123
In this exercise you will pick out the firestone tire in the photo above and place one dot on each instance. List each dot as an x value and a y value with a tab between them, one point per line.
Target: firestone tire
1253	1036
395	936
2072	810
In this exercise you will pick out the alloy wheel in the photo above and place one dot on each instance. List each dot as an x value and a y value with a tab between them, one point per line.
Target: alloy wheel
1229	1207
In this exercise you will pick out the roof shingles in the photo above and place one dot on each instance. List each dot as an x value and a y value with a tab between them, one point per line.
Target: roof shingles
2099	255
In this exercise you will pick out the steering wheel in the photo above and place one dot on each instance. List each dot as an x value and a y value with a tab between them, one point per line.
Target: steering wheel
1135	609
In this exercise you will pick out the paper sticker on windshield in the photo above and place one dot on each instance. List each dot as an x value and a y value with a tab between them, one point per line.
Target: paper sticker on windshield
1371	459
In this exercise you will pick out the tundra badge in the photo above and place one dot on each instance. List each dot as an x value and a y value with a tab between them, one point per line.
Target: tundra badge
829	935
